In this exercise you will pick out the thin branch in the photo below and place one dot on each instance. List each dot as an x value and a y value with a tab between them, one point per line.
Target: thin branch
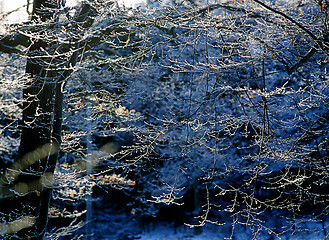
315	38
302	61
8	49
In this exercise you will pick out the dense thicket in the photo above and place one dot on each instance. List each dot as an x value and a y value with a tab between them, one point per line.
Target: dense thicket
217	108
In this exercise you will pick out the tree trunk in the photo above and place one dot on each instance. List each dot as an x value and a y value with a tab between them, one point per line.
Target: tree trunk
49	64
41	129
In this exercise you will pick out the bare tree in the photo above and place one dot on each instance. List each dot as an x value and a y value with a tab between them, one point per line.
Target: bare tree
49	64
224	106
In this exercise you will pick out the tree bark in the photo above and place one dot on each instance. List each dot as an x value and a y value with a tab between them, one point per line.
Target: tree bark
41	127
48	66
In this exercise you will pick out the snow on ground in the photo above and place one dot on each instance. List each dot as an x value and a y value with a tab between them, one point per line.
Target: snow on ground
212	232
166	231
111	224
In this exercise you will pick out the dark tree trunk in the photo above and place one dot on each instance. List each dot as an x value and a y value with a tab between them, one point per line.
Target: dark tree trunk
48	67
41	127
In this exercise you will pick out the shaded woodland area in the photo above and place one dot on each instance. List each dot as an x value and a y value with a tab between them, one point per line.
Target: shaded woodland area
190	112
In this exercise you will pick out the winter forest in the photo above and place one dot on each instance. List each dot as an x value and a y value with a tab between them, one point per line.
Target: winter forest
172	119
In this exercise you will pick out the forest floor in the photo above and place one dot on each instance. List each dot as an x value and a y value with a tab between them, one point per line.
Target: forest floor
116	225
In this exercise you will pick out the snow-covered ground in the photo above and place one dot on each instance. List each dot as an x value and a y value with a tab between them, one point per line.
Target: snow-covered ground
114	224
167	231
211	232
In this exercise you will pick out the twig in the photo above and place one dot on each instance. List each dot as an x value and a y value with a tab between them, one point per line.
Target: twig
308	55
